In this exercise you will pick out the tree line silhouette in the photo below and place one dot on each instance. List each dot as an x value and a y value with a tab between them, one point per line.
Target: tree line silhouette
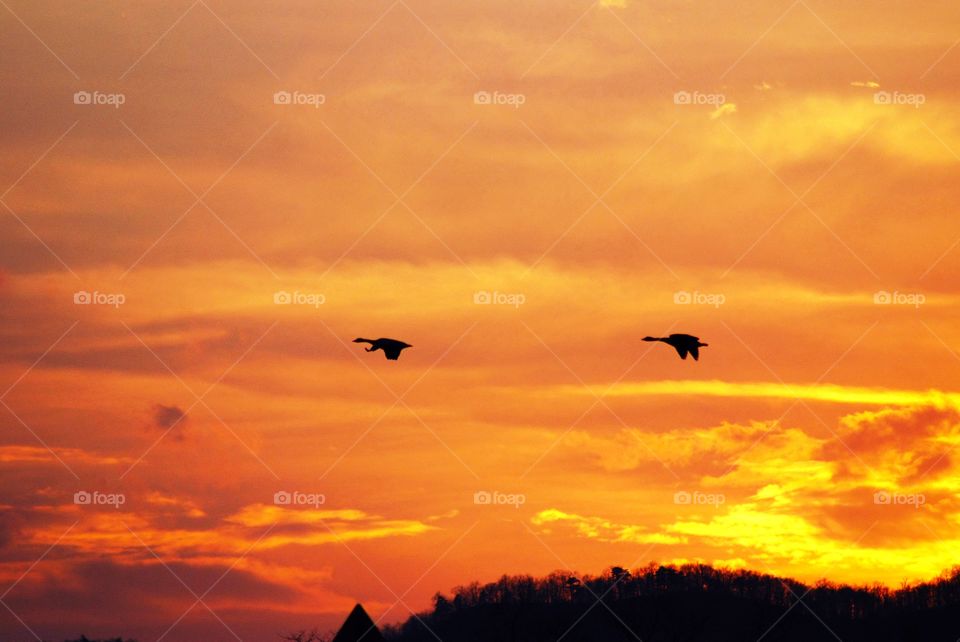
687	603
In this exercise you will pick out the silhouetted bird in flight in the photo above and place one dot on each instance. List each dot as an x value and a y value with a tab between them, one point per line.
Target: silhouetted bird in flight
684	343
391	347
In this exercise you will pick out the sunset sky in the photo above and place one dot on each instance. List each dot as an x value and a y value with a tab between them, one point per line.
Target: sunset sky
776	177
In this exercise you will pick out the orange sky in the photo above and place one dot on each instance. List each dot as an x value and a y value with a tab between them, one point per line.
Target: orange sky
588	198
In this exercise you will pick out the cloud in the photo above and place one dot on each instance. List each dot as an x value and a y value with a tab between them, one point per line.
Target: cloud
900	447
783	538
170	418
326	526
8	527
723	110
796	497
108	531
831	393
38	454
184	506
772	536
758	448
601	529
83	590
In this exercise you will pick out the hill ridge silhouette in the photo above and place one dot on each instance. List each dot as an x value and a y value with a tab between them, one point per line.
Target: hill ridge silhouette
687	603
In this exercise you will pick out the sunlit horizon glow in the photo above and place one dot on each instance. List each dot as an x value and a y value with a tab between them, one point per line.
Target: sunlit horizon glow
777	178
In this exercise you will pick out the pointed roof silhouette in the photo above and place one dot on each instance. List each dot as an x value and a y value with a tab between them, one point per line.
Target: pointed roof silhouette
358	627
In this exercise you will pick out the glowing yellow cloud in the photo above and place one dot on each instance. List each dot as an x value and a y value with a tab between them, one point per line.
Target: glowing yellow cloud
764	389
723	110
601	529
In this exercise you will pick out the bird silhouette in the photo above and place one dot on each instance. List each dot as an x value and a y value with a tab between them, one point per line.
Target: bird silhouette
391	347
683	343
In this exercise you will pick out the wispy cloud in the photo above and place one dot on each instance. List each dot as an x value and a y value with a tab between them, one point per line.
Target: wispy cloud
830	393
